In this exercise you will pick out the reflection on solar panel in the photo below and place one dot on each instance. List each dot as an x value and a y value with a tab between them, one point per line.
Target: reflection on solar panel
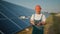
10	23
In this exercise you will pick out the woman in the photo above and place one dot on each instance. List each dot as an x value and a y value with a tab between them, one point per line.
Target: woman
39	19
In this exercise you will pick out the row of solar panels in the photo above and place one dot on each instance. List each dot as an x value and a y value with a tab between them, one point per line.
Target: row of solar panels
10	22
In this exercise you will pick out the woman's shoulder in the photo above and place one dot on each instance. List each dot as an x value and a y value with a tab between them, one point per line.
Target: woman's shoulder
33	14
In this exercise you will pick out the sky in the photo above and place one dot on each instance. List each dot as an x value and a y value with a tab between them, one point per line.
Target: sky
47	5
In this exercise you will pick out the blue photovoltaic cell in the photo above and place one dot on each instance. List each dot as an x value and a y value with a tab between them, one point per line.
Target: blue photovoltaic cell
8	27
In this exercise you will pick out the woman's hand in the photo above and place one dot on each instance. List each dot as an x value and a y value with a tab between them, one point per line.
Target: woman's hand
38	24
43	23
32	22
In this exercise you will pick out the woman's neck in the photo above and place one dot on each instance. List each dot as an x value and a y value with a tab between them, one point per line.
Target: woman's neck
38	13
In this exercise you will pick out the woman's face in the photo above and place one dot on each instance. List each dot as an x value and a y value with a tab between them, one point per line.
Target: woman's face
38	9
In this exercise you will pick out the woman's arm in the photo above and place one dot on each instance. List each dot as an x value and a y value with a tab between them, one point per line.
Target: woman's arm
32	20
43	20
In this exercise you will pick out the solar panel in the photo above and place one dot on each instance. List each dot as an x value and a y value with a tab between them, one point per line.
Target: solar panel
12	24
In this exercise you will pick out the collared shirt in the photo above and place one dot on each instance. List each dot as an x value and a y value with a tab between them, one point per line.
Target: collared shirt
38	17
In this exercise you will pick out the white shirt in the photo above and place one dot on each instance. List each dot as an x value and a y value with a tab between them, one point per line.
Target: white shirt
38	17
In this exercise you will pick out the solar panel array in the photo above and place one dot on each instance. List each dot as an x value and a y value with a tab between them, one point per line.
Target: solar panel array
9	20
